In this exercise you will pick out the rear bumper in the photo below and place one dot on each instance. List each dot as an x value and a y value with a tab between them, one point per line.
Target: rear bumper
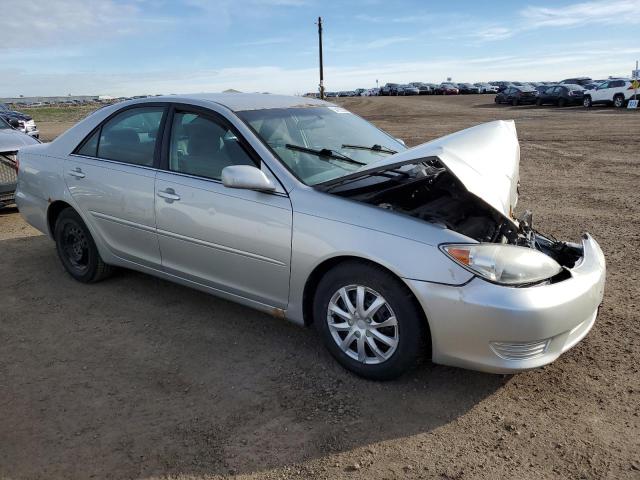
498	329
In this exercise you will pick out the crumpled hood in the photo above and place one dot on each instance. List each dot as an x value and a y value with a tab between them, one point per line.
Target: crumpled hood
12	140
485	159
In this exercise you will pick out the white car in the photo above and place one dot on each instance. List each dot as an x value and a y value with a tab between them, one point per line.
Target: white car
616	92
486	87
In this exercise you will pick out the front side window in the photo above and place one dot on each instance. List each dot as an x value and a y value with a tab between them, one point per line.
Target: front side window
203	147
130	136
336	141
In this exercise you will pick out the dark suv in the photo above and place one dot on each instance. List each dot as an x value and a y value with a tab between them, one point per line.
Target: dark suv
517	95
389	89
561	95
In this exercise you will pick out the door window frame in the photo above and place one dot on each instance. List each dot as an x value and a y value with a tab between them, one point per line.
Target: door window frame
159	136
221	120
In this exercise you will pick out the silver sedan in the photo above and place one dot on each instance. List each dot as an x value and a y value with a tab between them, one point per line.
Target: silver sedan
300	208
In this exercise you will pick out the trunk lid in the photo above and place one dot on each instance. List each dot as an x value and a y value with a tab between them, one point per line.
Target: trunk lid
485	159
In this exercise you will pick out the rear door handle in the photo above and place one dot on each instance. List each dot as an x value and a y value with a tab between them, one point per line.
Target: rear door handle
77	172
169	195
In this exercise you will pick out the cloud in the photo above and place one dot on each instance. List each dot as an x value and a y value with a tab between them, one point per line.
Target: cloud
603	12
264	41
42	22
534	66
490	34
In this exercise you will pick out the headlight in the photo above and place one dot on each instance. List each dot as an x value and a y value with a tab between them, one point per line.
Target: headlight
505	264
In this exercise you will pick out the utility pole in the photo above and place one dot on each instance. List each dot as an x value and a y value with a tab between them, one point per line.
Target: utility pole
320	51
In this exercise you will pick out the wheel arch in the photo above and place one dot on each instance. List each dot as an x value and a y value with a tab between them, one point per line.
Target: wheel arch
326	265
53	212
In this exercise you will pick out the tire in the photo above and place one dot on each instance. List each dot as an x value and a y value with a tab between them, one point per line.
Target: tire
497	100
77	250
393	358
618	101
539	102
586	102
514	102
562	102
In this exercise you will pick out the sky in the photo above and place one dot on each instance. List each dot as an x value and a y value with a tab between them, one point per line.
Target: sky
135	47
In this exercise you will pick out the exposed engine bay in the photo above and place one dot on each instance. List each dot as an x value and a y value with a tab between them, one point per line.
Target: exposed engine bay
430	192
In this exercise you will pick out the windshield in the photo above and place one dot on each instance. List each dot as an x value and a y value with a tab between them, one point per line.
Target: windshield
4	125
311	141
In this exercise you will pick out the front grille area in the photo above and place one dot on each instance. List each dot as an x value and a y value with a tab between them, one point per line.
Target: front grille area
8	174
520	351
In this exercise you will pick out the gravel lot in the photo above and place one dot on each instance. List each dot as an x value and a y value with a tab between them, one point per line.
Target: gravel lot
137	377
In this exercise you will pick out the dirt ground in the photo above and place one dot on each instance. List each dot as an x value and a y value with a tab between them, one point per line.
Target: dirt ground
139	378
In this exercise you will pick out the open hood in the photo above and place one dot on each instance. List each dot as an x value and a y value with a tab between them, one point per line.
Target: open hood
485	159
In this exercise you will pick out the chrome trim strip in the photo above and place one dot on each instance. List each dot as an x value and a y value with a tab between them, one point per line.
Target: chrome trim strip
222	248
121	221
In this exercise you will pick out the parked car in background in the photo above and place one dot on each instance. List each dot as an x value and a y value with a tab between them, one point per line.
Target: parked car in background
561	95
542	88
408	90
389	89
11	140
467	88
484	87
577	80
390	253
616	92
26	124
517	96
449	88
423	88
501	85
371	92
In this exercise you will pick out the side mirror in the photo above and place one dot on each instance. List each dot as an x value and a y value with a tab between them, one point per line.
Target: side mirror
246	177
401	141
14	122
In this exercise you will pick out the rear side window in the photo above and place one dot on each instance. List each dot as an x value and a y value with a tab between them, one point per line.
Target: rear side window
90	147
130	136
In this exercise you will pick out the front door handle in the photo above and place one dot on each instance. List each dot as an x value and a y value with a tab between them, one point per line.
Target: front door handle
169	195
77	172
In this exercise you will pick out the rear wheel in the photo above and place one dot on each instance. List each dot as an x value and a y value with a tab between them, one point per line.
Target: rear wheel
618	101
77	250
539	102
514	102
369	321
562	102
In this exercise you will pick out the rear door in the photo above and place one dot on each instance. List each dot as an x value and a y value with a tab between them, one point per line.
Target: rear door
111	177
601	93
236	241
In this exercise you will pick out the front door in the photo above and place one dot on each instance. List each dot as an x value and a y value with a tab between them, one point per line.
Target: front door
111	177
236	241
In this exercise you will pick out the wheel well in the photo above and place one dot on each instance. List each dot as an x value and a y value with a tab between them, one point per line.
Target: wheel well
53	212
324	267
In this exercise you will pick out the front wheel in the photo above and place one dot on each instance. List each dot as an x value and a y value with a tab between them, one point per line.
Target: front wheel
77	250
369	321
562	102
586	102
618	101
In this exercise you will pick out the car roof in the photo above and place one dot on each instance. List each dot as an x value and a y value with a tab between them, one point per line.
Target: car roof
238	102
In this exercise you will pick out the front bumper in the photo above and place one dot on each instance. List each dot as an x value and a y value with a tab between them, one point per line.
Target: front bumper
499	329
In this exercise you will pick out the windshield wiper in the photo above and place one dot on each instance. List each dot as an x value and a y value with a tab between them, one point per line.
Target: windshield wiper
323	152
373	148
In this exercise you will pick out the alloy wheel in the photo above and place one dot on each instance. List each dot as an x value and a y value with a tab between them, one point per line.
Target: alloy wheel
363	324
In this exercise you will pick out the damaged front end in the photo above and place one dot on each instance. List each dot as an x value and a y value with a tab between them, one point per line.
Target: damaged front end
466	182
